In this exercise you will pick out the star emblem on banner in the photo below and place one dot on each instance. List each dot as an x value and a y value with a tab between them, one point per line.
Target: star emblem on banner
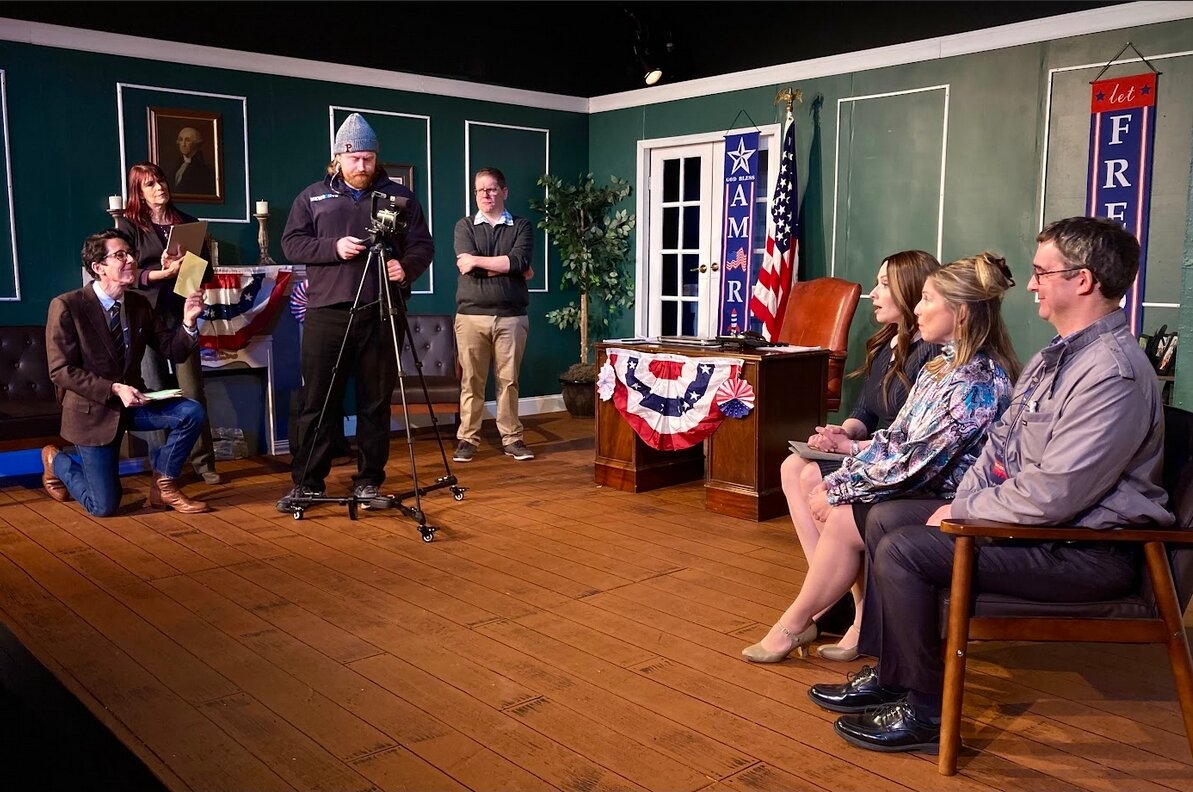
741	157
1145	90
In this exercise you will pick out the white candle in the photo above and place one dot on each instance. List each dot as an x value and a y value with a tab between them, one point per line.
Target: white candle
115	201
262	207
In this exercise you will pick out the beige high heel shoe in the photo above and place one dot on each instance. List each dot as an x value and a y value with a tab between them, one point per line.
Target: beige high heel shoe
799	643
842	654
838	652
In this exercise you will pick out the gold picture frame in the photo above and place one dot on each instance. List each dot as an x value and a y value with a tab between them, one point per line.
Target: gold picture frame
188	146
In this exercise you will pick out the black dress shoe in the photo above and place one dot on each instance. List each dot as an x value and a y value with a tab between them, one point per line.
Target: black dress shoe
892	727
860	693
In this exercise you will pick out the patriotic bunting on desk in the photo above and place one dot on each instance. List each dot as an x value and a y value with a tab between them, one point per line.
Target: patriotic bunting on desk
241	302
671	401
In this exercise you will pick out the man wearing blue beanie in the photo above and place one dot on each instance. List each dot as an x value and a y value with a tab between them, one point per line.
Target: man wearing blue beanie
328	230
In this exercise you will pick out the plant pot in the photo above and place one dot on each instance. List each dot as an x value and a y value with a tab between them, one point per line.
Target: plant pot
579	397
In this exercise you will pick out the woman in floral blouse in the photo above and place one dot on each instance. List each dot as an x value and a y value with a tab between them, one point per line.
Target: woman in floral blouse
926	450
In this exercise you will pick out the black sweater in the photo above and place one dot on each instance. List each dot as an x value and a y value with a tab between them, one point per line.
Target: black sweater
327	211
484	293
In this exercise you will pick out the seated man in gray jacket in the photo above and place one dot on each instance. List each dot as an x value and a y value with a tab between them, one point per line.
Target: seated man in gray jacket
1081	444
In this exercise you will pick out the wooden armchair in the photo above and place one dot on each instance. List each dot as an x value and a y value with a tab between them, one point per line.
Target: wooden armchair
1151	614
819	313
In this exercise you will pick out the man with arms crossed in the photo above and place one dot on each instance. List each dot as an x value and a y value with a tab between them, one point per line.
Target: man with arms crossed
493	251
1081	444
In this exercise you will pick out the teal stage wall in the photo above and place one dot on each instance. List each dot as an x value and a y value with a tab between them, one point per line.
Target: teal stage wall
984	121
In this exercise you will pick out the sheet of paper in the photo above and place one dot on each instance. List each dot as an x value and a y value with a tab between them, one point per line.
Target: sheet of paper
190	276
170	393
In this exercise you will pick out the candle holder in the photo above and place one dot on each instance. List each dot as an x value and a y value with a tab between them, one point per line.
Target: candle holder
263	240
116	214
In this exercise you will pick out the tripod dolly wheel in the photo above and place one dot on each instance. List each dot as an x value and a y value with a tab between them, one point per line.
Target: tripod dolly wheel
458	493
297	514
428	532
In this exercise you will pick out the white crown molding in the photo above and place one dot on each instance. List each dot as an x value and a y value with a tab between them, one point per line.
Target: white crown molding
43	35
1050	28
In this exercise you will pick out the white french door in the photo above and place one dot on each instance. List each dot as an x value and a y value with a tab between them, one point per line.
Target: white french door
684	219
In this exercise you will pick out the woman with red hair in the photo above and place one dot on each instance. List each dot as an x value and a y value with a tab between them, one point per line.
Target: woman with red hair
149	215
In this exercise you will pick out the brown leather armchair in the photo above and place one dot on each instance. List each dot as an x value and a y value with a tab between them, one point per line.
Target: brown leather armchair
1150	614
819	313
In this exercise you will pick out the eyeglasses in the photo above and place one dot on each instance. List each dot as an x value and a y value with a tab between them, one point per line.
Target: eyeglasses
1039	274
125	255
488	190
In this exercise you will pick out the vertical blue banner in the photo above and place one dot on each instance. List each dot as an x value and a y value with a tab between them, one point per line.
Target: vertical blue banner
1122	131
741	175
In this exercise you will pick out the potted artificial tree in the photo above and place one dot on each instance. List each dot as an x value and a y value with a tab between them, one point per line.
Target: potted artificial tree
594	246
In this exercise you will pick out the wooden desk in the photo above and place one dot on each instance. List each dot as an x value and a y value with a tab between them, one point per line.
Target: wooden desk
740	461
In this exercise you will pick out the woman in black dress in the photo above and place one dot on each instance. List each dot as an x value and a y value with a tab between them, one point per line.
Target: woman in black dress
894	356
148	217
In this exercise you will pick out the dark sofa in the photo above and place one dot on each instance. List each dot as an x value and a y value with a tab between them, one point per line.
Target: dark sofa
30	415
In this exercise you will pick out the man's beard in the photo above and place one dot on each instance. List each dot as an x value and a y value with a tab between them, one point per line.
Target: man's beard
360	181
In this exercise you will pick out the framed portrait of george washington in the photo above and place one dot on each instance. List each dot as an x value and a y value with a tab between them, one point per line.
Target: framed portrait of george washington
187	146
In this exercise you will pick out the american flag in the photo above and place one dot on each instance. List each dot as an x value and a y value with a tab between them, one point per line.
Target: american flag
769	300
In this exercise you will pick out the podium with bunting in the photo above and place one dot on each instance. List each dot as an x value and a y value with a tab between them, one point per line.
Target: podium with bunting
670	414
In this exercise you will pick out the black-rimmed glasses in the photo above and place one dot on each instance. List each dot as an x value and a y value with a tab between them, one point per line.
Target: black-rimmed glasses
1039	275
488	190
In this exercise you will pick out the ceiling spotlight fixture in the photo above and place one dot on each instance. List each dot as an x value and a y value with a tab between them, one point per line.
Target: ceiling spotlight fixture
650	52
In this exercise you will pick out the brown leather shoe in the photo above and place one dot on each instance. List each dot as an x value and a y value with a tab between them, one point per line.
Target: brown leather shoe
51	483
164	494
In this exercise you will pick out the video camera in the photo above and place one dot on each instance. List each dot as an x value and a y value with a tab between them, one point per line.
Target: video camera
389	220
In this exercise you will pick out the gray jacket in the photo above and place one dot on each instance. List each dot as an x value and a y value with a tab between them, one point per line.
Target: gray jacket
1082	442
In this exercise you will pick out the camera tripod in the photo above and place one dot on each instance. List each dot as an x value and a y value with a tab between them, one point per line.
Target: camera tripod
390	312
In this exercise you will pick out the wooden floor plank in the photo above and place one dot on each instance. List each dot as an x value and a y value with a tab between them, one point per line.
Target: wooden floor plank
557	635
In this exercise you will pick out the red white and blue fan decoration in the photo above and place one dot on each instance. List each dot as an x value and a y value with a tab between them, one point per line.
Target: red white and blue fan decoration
298	301
241	302
735	398
672	402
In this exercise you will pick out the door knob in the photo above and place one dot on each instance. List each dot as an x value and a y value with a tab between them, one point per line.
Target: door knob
715	266
701	268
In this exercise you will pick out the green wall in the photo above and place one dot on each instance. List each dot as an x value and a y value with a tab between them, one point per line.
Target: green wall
65	152
995	146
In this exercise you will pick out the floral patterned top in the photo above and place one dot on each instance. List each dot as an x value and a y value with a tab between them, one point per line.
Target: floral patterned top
933	440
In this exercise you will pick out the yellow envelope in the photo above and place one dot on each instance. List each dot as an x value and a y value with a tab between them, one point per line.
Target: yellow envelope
190	276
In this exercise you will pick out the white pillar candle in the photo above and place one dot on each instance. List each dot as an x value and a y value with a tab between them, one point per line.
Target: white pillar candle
115	201
262	207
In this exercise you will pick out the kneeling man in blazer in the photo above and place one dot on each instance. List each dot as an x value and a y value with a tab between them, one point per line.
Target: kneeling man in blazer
95	339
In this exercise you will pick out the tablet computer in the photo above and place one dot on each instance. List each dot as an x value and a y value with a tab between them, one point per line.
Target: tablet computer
187	236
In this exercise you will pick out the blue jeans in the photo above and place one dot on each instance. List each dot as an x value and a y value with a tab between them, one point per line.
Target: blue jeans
93	478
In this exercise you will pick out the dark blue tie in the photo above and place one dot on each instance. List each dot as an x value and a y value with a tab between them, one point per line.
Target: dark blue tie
116	330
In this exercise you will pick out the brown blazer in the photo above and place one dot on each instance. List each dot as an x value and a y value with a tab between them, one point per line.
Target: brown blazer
84	360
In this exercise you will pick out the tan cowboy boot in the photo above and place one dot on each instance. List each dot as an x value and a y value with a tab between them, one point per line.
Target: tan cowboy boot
52	484
164	494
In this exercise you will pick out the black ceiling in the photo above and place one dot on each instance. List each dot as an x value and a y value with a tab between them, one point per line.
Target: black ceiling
573	48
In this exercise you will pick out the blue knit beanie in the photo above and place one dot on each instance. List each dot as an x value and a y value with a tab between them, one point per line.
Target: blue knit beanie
355	134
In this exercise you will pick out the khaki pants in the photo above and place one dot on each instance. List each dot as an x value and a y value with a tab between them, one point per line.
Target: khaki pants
479	341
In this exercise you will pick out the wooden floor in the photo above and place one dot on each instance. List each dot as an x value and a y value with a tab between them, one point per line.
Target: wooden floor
555	635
